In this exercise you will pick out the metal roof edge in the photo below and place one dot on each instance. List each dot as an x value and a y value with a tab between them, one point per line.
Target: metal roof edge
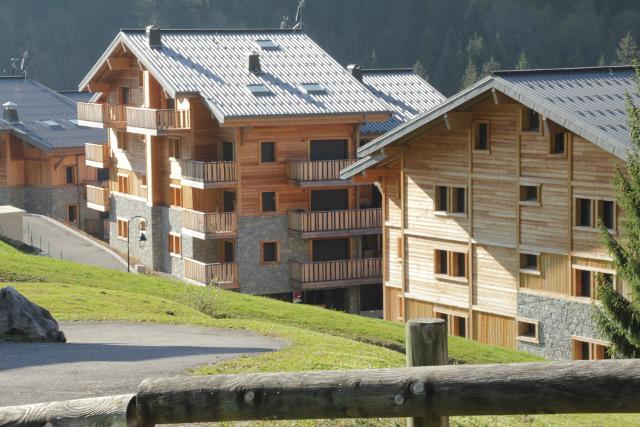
388	70
360	165
37	142
564	70
101	60
218	30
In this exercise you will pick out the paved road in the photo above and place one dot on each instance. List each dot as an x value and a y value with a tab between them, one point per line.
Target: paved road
104	358
59	241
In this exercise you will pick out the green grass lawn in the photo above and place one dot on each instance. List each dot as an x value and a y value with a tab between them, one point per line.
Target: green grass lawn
319	339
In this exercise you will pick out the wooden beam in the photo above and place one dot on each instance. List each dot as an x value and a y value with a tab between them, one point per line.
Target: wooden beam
380	172
361	179
393	151
457	120
59	162
98	87
500	98
119	64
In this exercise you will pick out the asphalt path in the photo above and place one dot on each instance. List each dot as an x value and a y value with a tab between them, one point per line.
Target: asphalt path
106	358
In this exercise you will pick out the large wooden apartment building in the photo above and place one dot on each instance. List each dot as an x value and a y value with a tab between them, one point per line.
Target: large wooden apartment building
42	148
490	205
229	144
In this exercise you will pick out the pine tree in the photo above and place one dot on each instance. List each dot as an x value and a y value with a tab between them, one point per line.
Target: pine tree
523	62
618	318
470	76
490	66
418	68
602	61
628	52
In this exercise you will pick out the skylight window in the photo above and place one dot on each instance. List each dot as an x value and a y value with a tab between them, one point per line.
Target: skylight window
258	89
52	124
266	44
313	88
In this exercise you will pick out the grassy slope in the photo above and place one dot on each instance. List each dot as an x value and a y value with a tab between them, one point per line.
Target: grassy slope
319	339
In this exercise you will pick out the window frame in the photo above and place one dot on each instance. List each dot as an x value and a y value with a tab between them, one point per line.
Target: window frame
173	190
125	179
173	239
537	271
528	202
275	196
593	285
122	225
476	138
594	347
275	156
74	174
451	200
452	265
77	209
524	113
552	142
452	320
262	252
595	205
121	96
122	143
536	324
175	143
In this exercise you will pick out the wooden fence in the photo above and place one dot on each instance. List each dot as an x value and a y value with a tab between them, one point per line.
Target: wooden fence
98	196
98	153
352	219
426	394
331	271
147	118
210	223
208	172
316	170
221	273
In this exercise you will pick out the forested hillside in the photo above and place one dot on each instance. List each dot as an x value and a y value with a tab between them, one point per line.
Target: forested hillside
449	38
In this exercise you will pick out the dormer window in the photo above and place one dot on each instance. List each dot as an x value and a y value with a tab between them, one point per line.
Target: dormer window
267	44
313	88
258	89
52	124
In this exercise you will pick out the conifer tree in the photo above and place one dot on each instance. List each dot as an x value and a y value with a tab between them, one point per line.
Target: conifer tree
418	68
628	52
618	318
490	66
523	62
470	76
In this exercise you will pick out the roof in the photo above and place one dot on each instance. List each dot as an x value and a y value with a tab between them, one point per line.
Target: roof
76	95
37	103
404	91
8	209
589	102
213	64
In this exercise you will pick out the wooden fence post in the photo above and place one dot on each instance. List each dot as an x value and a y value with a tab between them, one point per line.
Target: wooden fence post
426	343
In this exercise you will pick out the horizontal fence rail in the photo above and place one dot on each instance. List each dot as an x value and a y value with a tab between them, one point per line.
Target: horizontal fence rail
352	219
204	273
329	271
208	172
147	118
316	170
98	153
209	223
98	195
91	112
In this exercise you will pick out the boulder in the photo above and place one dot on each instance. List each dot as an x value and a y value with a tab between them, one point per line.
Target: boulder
20	319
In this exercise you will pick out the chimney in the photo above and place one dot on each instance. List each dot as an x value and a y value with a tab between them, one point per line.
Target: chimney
356	71
253	62
10	112
154	37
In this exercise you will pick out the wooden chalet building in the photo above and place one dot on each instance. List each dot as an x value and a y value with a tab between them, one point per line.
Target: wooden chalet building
229	144
42	164
490	204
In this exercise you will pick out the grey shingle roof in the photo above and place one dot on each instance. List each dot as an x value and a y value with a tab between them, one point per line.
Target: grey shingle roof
213	64
37	102
404	91
76	95
587	101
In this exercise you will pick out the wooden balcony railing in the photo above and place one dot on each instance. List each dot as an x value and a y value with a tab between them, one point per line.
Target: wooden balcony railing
224	274
158	120
320	170
97	153
329	221
208	172
367	270
102	113
98	198
210	224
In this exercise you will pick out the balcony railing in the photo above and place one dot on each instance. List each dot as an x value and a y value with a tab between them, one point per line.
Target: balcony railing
210	225
208	174
101	114
98	198
206	274
352	221
316	275
304	171
158	120
96	155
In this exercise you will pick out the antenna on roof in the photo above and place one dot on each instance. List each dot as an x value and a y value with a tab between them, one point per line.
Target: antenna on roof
19	65
297	24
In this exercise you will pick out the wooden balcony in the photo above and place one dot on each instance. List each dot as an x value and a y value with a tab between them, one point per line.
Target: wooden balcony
149	121
101	115
317	173
205	175
98	198
219	225
352	222
225	275
335	274
96	155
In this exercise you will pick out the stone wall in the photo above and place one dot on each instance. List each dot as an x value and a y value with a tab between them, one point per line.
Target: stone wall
266	279
13	196
560	318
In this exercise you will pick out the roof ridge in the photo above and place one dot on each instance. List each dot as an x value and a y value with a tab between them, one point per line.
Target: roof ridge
565	70
387	70
219	30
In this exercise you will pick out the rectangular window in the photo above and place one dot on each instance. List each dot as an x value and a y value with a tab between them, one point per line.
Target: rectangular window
558	143
442	265
176	196
143	181
72	213
123	184
527	330
530	194
450	199
459	264
270	253
102	174
175	148
456	325
175	244
583	285
586	349
123	229
442	197
268	201
121	141
451	264
530	262
481	137
267	152
583	217
607	213
70	174
530	120
458	200
400	247
124	95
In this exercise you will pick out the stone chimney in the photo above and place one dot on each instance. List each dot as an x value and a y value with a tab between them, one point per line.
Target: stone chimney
154	37
356	71
10	112
253	62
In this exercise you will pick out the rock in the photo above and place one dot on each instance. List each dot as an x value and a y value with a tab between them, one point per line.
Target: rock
21	319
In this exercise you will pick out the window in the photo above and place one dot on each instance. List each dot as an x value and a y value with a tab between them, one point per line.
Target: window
123	184
258	89
530	120
456	325
586	349
586	211
452	200
267	152
607	213
558	143
266	44
530	194
121	141
72	213
585	282
123	229
481	136
268	201
313	88
529	263
450	264
175	244
143	181
583	217
124	95
175	148
269	253
70	174
102	174
527	330
176	196
52	124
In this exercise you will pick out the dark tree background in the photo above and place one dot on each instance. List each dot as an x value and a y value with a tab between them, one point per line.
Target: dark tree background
447	39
